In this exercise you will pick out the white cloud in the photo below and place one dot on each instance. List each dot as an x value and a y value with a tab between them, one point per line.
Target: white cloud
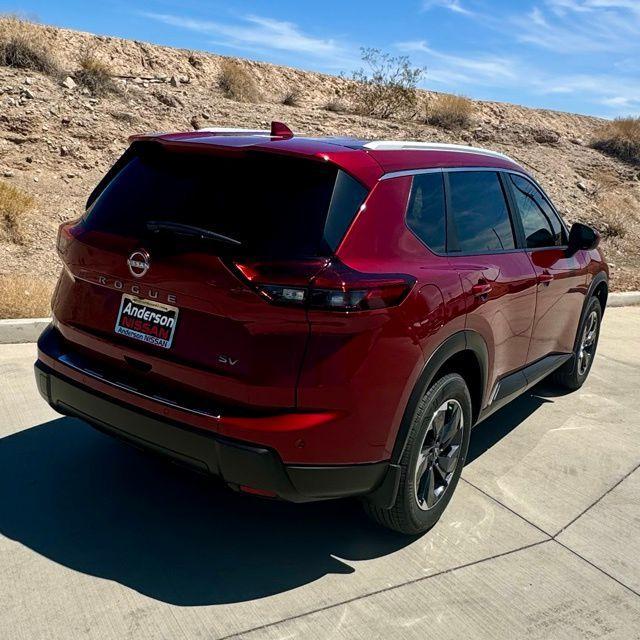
253	32
620	93
580	26
450	69
452	5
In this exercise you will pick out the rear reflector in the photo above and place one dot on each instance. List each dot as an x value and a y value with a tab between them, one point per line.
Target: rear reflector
328	285
257	492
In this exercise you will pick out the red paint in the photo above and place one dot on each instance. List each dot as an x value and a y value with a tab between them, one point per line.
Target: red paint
319	386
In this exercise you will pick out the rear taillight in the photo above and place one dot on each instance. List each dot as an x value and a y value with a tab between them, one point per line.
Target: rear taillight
327	284
65	236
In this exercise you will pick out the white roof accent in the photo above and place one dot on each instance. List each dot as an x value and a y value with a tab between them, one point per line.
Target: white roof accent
402	145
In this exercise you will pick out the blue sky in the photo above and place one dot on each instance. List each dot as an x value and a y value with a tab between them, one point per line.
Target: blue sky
574	55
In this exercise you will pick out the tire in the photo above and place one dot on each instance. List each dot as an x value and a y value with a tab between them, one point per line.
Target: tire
414	510
573	373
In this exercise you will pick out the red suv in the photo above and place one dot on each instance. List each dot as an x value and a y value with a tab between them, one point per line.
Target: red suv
314	318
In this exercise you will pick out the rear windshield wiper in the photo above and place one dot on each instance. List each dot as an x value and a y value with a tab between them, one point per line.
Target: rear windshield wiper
190	231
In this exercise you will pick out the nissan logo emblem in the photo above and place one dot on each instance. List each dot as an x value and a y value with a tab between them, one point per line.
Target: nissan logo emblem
139	262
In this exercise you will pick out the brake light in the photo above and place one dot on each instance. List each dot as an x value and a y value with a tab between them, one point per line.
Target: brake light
327	284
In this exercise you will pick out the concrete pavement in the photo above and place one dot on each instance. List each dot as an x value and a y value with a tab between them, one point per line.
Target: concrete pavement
541	540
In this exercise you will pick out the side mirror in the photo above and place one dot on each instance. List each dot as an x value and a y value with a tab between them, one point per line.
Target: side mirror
583	237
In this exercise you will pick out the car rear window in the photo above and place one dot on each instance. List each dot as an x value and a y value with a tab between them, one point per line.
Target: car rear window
426	211
274	205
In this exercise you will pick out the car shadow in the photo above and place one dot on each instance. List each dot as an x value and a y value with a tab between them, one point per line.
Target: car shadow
104	508
96	505
489	432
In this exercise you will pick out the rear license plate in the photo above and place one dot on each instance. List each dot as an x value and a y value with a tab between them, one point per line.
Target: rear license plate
148	321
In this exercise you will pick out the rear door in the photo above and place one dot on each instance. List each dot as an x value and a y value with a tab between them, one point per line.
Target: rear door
284	214
497	277
561	275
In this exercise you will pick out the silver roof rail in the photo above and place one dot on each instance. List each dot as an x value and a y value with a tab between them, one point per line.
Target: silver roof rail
402	145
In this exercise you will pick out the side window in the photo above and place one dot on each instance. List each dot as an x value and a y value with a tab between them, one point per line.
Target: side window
541	225
479	212
426	212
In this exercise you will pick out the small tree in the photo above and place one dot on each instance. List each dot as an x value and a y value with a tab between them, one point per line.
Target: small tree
386	87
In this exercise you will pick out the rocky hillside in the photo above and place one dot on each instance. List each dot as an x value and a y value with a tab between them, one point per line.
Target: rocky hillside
57	139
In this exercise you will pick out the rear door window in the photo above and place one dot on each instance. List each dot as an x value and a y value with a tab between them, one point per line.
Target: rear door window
426	210
539	221
479	213
274	205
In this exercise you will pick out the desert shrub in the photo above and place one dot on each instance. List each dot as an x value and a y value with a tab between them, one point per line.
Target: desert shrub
291	98
618	212
14	206
386	87
237	83
95	75
449	111
23	296
195	61
619	138
23	46
542	135
335	106
125	117
613	228
167	99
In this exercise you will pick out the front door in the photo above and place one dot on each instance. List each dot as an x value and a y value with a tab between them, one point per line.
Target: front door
497	277
561	275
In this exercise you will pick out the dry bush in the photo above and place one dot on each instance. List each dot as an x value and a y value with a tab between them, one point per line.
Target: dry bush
23	46
167	99
195	61
23	296
95	75
14	206
237	83
620	138
617	214
449	111
335	106
386	88
125	117
291	98
603	183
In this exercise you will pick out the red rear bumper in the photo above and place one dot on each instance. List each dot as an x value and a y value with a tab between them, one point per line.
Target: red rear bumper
286	432
252	466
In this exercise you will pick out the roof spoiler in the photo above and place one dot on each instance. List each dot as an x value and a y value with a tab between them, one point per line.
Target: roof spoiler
277	130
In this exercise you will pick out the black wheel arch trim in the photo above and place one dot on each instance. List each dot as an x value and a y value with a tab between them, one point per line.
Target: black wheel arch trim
465	340
598	279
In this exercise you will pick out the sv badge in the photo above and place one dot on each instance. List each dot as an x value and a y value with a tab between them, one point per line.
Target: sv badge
227	360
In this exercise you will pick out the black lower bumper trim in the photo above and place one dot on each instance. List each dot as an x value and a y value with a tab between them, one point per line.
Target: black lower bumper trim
237	463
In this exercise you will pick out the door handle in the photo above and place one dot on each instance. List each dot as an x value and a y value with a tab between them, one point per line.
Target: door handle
545	278
481	289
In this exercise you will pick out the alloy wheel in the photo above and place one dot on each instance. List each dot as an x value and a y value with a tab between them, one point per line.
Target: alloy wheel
439	454
588	343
